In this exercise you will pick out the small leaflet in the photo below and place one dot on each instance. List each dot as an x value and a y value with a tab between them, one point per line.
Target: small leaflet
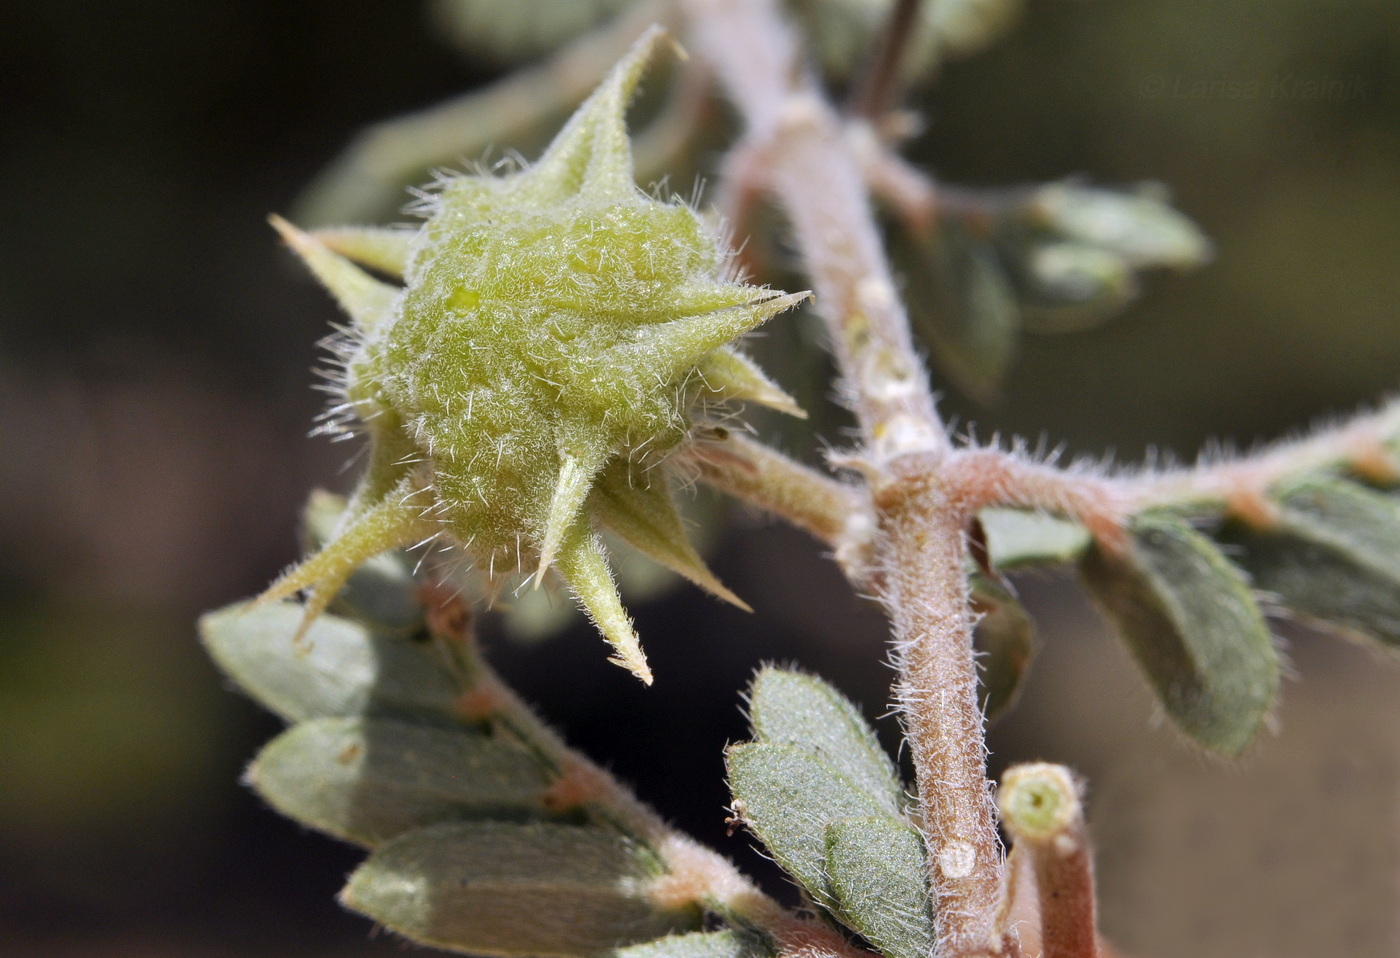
879	874
368	780
816	763
790	708
501	888
1019	537
338	667
1332	556
788	798
1190	620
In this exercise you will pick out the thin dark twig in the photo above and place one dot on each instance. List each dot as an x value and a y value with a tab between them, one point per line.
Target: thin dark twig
877	85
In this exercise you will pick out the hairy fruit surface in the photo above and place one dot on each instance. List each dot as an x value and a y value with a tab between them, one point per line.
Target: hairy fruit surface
556	331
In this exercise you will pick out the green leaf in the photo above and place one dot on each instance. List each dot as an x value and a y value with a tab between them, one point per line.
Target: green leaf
509	31
338	668
788	797
1333	555
499	888
1139	225
368	780
380	594
700	944
1068	287
879	874
789	708
1192	624
1005	641
961	303
1018	537
840	32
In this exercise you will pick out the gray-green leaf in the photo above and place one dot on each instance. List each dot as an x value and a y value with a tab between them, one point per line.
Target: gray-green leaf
700	944
789	708
879	874
1138	225
368	780
1332	555
338	668
499	888
1019	537
788	797
961	303
1068	287
1192	624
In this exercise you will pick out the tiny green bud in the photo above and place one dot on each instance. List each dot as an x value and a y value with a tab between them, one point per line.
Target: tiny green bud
527	384
1039	801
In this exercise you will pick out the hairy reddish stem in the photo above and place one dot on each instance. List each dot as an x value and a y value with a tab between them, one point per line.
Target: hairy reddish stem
800	152
924	586
800	148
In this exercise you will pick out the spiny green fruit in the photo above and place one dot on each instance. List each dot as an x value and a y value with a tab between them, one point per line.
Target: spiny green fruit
556	331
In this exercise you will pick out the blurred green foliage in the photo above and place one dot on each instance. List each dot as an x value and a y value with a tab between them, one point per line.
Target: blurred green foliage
142	145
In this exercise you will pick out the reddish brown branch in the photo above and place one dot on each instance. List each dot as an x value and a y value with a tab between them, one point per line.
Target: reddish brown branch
1041	808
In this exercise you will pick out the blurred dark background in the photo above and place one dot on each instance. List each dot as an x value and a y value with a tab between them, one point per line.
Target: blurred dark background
154	352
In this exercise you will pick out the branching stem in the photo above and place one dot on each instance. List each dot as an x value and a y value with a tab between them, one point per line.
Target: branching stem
694	873
809	165
875	91
925	590
1364	445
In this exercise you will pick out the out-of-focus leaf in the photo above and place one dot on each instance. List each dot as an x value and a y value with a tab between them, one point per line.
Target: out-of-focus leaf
380	592
509	31
961	303
841	32
501	888
1192	624
1069	287
879	875
339	668
537	614
1017	538
967	26
700	944
368	780
789	708
1333	555
1140	226
788	797
1005	640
